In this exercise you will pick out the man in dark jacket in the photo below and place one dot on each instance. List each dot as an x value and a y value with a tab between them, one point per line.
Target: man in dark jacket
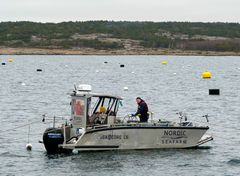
142	111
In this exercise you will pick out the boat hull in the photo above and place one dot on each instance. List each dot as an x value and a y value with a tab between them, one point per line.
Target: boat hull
124	138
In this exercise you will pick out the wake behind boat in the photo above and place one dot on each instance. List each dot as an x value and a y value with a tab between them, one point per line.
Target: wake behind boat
94	125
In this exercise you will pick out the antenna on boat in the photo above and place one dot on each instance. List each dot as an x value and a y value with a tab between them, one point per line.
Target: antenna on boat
75	89
180	116
185	116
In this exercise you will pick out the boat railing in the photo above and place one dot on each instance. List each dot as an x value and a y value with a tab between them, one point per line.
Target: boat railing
186	123
129	118
55	120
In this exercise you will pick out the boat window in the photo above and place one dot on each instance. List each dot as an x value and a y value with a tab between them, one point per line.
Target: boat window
95	102
78	107
103	105
109	104
116	106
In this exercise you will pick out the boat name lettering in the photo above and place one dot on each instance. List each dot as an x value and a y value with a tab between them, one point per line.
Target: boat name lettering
174	141
174	133
114	136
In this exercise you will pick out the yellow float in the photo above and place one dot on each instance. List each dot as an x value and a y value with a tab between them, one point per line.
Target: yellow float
164	62
206	75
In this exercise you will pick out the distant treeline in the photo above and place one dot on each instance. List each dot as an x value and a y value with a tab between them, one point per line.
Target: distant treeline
174	35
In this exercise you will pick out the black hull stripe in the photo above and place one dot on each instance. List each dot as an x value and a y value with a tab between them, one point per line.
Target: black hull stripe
98	146
152	127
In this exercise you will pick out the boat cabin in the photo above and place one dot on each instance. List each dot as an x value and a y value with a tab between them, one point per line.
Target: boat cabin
89	109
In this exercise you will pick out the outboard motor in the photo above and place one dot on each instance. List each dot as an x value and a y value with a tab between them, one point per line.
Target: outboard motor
52	137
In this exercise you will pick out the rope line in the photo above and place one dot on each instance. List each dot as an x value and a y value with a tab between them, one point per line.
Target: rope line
21	126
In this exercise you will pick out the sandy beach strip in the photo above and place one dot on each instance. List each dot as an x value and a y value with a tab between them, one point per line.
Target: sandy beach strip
91	51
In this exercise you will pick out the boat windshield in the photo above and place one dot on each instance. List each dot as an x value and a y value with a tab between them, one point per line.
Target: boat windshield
107	105
100	108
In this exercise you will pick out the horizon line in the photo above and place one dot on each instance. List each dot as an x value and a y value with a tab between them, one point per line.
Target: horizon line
137	21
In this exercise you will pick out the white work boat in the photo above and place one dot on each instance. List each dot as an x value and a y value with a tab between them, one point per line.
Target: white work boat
94	125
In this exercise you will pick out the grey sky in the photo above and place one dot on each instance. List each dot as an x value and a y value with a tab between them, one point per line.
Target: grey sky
129	10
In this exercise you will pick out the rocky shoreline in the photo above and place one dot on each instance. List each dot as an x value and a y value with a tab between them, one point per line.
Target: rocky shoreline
91	51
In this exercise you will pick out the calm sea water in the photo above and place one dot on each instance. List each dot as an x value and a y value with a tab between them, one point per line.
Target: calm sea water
26	94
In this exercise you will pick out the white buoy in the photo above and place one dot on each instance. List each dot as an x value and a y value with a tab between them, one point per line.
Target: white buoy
125	88
29	147
174	73
23	84
97	71
133	72
74	151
